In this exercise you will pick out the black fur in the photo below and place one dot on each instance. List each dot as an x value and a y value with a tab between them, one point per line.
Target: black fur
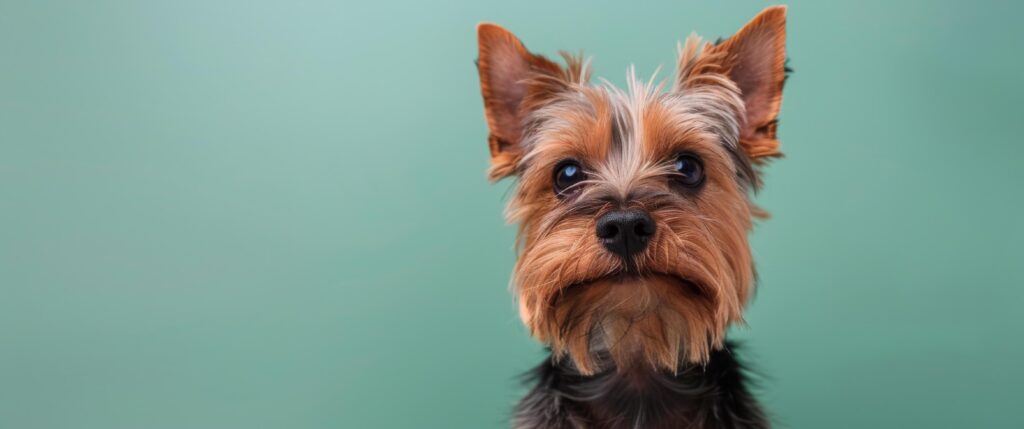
712	396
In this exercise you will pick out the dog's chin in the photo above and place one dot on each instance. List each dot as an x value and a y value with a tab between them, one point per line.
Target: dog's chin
626	321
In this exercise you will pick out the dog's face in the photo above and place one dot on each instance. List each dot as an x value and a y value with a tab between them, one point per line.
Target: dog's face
634	205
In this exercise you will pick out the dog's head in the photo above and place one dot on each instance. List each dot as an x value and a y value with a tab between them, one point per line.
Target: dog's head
634	205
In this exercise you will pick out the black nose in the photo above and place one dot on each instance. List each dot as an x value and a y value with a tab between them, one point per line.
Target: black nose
625	232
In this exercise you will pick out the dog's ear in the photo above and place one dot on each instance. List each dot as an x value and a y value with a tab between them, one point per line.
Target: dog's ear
755	60
513	82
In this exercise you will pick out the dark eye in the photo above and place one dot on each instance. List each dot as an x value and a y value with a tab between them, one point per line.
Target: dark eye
568	174
689	170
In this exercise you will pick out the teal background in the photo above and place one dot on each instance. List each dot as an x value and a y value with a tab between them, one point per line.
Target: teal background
242	214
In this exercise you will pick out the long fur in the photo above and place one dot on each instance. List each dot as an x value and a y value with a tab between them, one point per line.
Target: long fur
711	396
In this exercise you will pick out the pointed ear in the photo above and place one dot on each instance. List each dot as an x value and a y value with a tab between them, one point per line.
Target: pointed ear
755	59
512	83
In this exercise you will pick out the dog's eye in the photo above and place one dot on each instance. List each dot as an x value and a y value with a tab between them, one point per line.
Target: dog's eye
567	175
689	170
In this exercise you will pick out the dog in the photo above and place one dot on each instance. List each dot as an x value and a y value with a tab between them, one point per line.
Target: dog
633	209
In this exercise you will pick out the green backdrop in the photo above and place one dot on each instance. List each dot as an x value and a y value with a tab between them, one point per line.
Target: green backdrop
235	214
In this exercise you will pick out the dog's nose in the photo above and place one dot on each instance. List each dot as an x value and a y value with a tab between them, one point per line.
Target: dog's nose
625	232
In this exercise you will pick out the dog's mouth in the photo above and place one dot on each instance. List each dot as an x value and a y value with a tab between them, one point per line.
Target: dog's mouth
629	278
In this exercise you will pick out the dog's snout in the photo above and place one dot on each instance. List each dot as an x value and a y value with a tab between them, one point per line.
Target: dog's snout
625	232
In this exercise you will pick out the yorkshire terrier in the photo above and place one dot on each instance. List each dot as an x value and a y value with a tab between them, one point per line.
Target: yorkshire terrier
633	209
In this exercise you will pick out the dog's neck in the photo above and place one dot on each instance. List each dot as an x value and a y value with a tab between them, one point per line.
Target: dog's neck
714	395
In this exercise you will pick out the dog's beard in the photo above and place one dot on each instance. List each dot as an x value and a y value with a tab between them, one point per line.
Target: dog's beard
670	305
667	305
655	320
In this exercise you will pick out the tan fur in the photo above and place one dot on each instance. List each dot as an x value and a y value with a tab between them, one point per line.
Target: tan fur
679	296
